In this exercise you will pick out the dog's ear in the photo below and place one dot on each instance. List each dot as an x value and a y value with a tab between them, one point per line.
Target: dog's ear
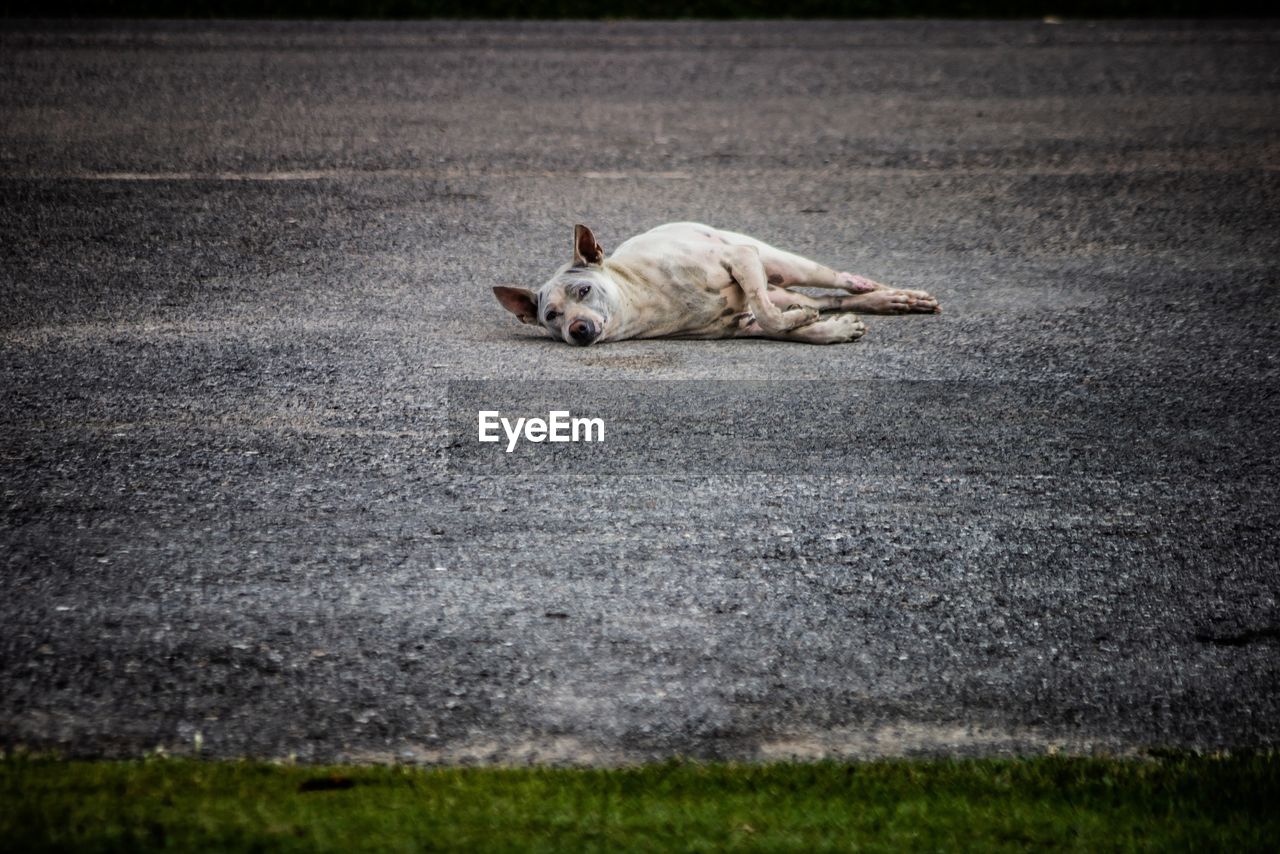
518	301
585	248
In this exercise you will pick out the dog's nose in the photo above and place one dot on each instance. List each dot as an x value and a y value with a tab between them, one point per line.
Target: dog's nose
582	331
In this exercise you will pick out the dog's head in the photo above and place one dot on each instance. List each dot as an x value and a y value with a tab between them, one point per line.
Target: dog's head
576	303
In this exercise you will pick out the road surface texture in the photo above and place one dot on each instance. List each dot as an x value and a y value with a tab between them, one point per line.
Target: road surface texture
244	263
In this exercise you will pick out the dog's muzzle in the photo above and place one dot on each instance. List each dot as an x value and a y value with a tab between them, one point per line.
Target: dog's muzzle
582	331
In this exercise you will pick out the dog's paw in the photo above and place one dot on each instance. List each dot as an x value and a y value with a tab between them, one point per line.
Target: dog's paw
843	328
908	302
856	284
832	329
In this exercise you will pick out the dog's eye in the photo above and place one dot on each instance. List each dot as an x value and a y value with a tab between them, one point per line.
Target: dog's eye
583	291
552	315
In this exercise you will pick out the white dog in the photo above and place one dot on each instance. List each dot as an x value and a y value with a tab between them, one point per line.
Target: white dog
686	280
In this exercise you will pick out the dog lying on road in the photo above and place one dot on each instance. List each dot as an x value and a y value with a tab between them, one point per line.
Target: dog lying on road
686	280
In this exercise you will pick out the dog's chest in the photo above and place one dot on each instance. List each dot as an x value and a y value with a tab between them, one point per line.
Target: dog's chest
689	270
680	288
685	275
686	301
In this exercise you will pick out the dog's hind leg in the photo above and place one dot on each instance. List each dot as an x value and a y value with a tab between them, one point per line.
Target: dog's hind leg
892	301
743	264
887	301
788	270
784	299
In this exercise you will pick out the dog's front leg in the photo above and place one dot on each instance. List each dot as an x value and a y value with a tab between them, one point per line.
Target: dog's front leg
743	264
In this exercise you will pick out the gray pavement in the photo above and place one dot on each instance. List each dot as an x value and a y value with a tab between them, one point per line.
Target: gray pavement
243	262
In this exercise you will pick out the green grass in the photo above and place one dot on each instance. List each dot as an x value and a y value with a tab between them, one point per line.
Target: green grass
1173	803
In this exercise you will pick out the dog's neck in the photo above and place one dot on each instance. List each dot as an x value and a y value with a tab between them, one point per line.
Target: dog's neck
642	300
633	290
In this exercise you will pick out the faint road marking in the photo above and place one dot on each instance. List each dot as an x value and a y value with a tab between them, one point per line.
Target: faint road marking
848	172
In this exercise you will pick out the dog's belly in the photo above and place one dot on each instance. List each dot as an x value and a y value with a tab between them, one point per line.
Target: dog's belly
682	290
680	311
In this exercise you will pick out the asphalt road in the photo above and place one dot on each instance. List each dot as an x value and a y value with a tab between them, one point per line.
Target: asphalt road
242	264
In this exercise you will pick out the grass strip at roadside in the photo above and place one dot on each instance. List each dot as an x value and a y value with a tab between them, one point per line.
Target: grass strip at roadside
1176	802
